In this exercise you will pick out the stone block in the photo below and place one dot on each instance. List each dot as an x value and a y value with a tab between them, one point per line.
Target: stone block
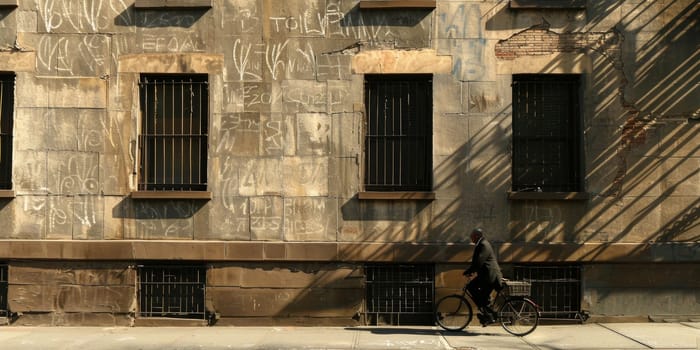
227	219
17	61
347	135
459	21
450	135
342	94
305	176
30	217
304	96
312	251
266	218
75	273
245	251
488	97
277	134
85	17
70	298
286	302
239	134
30	129
73	172
344	177
310	219
68	55
366	252
678	139
313	134
169	219
679	217
73	92
260	176
542	221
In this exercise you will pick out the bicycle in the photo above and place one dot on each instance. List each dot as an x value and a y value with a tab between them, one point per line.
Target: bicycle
517	313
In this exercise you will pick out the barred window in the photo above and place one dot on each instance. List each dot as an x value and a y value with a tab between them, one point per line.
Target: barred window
546	133
174	126
7	94
398	141
172	291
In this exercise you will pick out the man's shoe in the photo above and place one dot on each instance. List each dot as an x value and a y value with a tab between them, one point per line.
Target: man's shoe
482	319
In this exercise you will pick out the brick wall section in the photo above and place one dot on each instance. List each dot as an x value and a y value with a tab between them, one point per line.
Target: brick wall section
540	40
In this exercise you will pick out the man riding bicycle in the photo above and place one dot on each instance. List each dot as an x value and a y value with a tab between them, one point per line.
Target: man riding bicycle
484	274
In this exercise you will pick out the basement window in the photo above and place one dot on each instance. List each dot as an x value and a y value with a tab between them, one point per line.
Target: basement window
399	294
557	289
174	291
4	312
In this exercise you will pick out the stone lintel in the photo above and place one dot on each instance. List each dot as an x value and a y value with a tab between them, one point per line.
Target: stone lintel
401	62
218	251
171	63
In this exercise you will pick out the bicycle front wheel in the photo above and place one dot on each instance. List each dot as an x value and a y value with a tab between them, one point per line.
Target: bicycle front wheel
453	313
519	316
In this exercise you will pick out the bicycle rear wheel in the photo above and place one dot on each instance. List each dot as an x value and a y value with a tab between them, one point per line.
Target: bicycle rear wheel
519	316
453	313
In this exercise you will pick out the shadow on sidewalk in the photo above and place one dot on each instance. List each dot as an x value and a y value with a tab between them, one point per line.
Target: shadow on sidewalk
473	332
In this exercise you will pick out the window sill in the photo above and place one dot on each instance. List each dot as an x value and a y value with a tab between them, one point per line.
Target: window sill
561	196
548	4
8	3
7	194
171	195
165	4
396	195
384	4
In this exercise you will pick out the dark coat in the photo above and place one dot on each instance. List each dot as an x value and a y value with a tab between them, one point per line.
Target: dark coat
484	263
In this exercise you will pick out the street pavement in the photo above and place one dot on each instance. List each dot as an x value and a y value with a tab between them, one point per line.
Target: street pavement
609	336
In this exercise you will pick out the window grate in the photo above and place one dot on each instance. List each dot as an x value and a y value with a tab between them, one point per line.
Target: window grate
557	289
174	125
4	285
398	140
399	294
7	91
546	133
172	291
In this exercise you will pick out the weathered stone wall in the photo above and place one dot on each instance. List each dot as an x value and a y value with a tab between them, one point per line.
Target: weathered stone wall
286	139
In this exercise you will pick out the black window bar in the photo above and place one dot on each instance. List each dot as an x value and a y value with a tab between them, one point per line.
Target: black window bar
7	91
398	141
174	126
557	289
399	294
173	291
4	284
546	133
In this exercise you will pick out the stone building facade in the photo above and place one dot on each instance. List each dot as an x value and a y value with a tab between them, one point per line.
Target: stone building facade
263	162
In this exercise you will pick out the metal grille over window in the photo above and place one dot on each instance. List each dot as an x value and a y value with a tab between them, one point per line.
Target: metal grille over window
172	291
399	294
546	133
4	312
398	143
557	289
7	92
174	127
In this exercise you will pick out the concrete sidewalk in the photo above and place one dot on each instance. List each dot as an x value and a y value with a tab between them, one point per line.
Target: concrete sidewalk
565	337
